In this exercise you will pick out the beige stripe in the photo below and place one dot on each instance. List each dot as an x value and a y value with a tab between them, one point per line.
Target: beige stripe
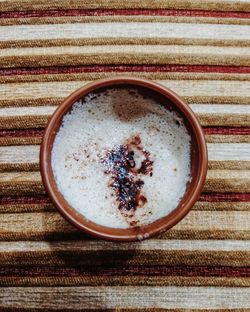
125	297
126	30
220	138
217	181
99	245
216	152
221	206
225	5
190	89
227	181
158	252
125	54
199	206
196	225
150	75
123	41
135	280
123	19
16	183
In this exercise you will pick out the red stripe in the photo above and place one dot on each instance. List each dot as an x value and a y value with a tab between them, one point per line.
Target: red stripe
38	199
226	197
126	270
207	130
21	133
120	12
125	68
227	130
210	197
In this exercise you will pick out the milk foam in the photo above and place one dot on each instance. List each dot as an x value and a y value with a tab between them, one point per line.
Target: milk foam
101	121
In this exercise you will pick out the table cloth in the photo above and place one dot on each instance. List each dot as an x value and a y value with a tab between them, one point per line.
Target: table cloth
200	49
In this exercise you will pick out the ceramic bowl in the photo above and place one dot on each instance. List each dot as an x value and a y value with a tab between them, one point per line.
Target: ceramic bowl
199	161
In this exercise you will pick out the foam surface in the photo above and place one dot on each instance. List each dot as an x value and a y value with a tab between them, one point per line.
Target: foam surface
98	123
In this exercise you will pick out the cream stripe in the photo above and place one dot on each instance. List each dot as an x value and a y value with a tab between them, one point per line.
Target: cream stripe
211	222
125	30
125	54
142	297
234	109
153	244
28	111
186	88
229	151
216	151
221	109
124	297
225	5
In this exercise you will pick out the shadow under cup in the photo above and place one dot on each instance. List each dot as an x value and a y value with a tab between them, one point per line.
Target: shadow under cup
199	159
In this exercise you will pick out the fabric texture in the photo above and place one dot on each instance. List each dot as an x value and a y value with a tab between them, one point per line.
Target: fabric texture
200	49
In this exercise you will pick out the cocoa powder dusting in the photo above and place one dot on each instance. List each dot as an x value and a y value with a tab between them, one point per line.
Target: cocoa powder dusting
124	175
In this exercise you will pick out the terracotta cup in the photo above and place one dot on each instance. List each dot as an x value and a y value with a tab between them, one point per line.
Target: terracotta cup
199	161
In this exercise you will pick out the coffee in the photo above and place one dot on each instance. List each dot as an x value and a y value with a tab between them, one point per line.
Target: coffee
121	159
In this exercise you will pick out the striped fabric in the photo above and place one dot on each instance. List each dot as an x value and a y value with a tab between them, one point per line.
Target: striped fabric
201	50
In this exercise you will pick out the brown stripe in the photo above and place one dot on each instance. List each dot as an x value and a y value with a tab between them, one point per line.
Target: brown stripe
122	58
21	208
212	164
118	41
222	119
126	12
125	281
31	102
20	141
128	257
16	5
187	271
19	167
23	122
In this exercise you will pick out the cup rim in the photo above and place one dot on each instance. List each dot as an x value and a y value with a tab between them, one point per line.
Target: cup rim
116	234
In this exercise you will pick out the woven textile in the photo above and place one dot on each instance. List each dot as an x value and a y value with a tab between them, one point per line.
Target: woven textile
201	50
